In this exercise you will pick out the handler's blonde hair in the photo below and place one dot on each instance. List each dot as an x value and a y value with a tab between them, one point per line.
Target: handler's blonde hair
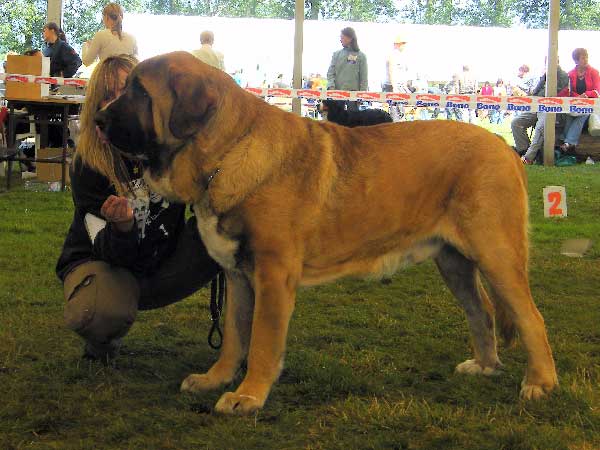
102	88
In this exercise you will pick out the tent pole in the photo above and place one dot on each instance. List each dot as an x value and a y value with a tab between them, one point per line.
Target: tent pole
551	65
298	47
55	11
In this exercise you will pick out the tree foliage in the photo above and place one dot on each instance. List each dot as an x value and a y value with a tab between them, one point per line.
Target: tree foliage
430	12
351	10
21	21
82	18
574	14
21	24
487	13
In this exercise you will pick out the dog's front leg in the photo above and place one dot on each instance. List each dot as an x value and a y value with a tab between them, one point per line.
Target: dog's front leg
275	291
236	336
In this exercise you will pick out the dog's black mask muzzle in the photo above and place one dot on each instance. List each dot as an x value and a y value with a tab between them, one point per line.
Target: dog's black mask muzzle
122	130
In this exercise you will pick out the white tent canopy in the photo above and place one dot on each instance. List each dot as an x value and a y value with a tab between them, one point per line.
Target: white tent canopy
435	52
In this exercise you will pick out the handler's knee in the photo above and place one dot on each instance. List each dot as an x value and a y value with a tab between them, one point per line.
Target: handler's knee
101	300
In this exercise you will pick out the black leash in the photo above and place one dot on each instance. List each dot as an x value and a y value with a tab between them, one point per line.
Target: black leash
217	295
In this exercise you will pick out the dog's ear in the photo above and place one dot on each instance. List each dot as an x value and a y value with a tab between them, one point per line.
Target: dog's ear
194	104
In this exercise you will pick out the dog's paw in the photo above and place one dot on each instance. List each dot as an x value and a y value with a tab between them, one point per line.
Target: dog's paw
472	367
200	383
534	391
238	404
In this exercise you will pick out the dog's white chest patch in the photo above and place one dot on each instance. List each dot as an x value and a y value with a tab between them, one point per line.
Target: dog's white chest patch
220	247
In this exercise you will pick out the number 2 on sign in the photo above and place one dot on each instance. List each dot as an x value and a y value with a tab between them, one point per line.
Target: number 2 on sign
555	201
555	198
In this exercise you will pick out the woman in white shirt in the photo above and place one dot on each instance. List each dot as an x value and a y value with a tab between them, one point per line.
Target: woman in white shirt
112	40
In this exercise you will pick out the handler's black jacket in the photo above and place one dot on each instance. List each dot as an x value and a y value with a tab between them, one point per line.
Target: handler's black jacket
152	238
64	61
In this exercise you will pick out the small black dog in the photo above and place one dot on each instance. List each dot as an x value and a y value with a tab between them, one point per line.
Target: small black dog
337	112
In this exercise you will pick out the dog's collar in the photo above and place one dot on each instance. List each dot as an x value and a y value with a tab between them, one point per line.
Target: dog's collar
211	177
218	169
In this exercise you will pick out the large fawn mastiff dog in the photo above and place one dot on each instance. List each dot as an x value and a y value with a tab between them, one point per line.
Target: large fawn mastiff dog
284	201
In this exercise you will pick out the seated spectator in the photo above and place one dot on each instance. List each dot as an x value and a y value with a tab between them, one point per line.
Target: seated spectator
499	90
487	89
584	81
452	88
64	61
520	124
279	83
523	83
306	83
318	82
238	77
468	85
420	86
110	41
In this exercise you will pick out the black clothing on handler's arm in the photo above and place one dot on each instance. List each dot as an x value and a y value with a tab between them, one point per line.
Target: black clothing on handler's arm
152	239
109	275
162	256
64	60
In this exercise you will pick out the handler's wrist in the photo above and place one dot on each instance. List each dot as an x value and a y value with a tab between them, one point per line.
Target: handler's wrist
124	227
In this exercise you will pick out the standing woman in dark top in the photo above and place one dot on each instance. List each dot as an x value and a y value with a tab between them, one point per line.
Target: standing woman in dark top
127	249
64	61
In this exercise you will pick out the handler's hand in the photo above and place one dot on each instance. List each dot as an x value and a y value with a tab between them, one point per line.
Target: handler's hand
117	210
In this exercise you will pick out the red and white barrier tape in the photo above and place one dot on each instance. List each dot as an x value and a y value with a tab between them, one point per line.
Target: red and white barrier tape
473	101
529	104
81	82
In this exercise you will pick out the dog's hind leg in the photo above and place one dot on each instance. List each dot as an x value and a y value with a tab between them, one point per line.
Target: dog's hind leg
462	277
236	337
505	270
497	241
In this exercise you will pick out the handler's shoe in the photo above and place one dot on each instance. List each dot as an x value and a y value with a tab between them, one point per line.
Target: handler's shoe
526	161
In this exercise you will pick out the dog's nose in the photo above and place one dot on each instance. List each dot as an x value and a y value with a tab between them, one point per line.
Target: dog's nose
100	119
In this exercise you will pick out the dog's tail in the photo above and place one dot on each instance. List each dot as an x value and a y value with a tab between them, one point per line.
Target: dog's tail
504	323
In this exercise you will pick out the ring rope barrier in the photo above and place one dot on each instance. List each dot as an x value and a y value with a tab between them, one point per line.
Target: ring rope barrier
571	105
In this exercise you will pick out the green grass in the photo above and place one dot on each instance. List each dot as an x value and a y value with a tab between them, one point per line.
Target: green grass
369	365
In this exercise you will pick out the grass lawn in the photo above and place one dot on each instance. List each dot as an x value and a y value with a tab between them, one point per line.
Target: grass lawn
369	365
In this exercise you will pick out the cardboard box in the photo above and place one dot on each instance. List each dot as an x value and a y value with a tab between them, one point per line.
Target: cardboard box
27	65
48	172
